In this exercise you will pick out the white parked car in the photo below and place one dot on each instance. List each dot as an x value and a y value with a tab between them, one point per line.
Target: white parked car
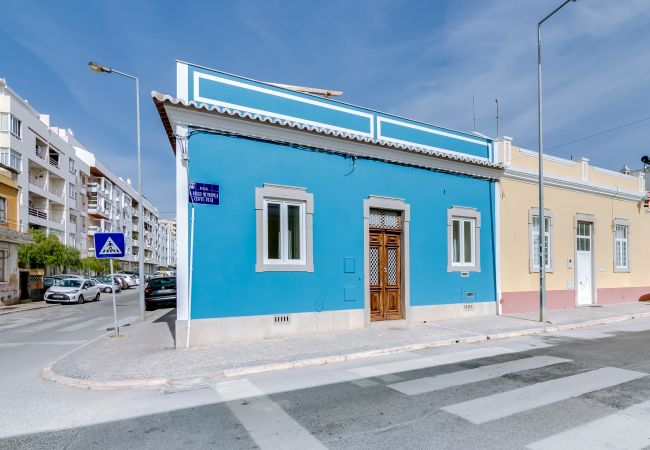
103	286
130	280
72	290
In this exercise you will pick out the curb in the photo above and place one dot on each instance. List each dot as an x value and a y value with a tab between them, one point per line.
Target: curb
50	372
13	311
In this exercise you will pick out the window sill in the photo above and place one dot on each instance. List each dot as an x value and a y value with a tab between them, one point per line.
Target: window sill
463	268
622	270
284	268
548	270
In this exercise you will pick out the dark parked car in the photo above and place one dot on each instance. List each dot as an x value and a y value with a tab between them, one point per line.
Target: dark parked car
48	282
160	292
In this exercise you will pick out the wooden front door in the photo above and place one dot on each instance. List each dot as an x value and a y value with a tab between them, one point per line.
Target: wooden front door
385	273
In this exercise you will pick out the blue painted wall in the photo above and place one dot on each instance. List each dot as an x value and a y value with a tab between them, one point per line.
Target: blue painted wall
241	94
225	282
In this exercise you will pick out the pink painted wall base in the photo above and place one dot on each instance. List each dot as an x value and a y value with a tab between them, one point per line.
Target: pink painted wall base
528	301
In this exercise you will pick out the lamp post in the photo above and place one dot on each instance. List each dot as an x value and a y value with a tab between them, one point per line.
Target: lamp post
100	68
542	221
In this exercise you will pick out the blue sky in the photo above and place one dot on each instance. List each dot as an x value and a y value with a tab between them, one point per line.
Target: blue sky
420	59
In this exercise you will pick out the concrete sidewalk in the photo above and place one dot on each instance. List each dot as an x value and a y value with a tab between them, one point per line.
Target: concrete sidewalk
27	306
145	355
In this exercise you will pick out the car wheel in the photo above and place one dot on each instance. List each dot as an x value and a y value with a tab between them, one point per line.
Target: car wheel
107	290
97	297
149	307
80	300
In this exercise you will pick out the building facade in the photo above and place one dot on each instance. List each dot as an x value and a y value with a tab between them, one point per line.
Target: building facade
330	216
170	227
594	227
65	190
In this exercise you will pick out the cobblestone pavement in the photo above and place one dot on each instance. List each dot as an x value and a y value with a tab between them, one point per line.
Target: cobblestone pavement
145	355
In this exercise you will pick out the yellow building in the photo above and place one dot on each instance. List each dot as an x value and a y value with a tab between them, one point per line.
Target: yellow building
595	233
11	234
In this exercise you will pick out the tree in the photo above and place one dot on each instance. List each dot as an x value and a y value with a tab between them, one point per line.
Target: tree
47	251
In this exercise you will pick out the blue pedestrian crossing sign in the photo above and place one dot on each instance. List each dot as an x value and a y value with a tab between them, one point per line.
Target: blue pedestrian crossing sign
109	245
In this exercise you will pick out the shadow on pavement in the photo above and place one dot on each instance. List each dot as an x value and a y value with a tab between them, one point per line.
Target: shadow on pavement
170	319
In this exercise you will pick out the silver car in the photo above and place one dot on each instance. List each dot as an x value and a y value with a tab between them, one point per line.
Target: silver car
72	290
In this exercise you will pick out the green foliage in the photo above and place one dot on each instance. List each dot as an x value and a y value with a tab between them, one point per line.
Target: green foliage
95	265
47	251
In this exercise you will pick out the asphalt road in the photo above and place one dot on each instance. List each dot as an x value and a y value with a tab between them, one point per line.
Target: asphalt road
582	389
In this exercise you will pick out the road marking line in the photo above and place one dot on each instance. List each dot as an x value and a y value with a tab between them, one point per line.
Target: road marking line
428	361
266	422
19	323
497	406
83	324
626	429
17	344
49	324
439	382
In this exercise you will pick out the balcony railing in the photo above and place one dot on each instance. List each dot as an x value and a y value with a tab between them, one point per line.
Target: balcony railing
40	152
55	190
54	162
36	212
36	181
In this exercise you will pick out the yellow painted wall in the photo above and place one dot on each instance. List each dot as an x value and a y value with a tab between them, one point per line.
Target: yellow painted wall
9	190
517	199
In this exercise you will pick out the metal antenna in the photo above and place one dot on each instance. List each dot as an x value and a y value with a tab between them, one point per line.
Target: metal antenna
497	102
474	113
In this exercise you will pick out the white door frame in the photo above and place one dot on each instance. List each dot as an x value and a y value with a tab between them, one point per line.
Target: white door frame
395	204
589	218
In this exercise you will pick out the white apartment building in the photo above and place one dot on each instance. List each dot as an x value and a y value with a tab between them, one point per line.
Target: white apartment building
170	226
65	190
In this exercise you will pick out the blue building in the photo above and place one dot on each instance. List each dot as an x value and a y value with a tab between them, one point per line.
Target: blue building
328	216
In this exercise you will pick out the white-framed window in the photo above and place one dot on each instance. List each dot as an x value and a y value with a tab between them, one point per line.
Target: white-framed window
284	232
284	217
11	124
3	210
71	165
621	245
72	189
463	226
16	126
533	221
11	158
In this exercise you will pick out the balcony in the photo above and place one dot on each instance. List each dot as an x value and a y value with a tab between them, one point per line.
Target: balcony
37	212
40	151
38	182
53	161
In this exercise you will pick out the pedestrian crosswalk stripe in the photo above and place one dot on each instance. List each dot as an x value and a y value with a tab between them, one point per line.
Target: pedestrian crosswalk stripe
266	422
48	324
628	429
18	323
497	406
430	384
83	324
428	361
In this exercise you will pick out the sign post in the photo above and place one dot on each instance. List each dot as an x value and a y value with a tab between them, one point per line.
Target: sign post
110	245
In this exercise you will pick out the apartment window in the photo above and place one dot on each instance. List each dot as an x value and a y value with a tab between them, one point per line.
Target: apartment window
10	123
284	218
621	245
3	210
73	192
463	225
533	220
11	158
71	165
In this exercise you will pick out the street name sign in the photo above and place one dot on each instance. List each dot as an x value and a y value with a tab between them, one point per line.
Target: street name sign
204	193
109	245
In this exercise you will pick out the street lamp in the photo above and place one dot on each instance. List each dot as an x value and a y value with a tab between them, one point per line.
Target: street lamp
541	243
100	68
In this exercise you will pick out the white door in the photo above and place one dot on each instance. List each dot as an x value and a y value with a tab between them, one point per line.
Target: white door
584	265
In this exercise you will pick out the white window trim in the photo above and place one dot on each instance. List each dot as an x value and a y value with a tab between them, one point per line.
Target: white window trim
284	249
287	195
463	213
628	268
533	264
19	132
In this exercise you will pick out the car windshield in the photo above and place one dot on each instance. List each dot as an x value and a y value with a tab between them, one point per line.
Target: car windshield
162	283
70	283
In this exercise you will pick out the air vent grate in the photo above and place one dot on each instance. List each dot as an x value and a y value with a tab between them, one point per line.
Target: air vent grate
468	307
281	320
